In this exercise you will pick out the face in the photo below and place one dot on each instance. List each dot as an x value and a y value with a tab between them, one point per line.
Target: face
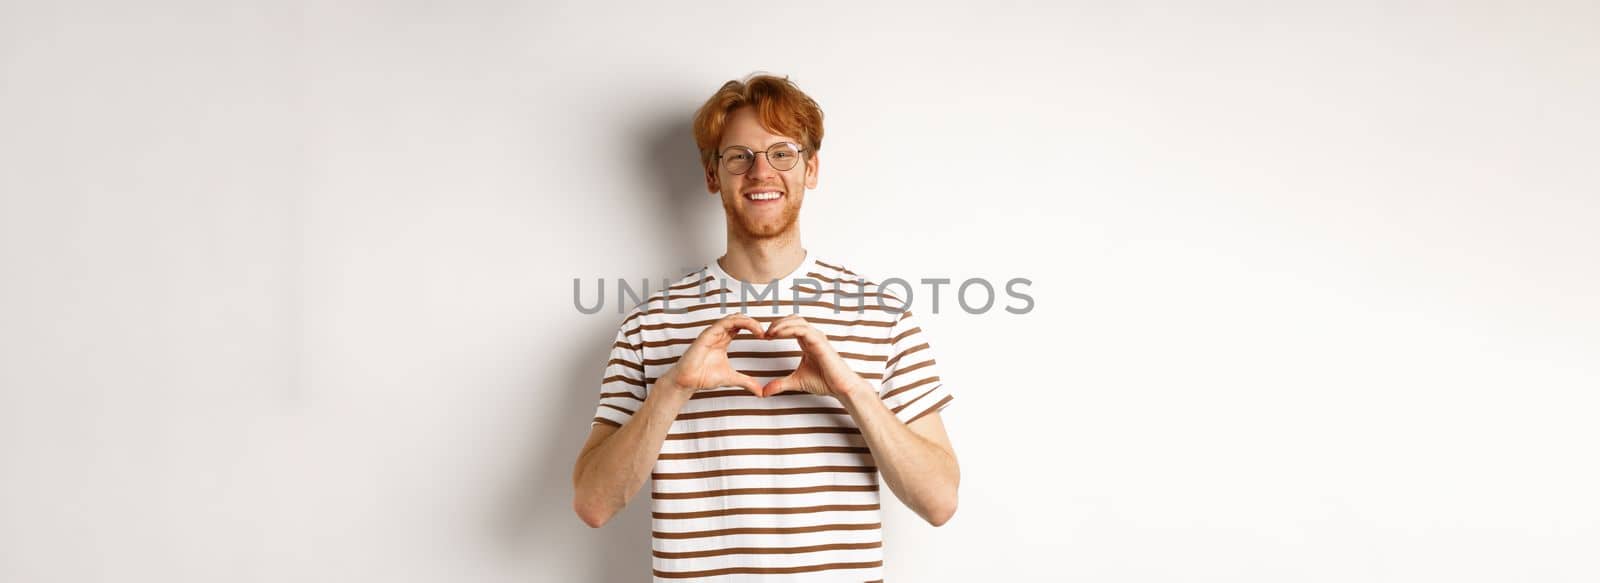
758	217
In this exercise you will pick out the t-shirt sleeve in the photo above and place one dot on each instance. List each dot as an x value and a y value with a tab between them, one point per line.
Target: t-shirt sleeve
622	383
911	386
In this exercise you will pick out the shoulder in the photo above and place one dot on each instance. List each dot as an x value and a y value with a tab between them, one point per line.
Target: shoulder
836	274
686	288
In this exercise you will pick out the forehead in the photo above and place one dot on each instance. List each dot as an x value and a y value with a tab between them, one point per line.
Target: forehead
744	129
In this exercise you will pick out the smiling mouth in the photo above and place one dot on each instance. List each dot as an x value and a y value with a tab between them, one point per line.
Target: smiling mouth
763	195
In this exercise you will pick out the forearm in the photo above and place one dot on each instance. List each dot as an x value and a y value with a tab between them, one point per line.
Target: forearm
609	474
923	474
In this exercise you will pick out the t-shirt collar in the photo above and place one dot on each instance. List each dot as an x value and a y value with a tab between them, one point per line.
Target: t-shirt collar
807	265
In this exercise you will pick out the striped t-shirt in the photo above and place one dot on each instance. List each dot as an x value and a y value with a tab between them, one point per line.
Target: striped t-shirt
782	487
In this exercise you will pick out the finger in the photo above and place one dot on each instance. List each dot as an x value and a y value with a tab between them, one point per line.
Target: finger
787	324
776	333
741	321
796	330
789	319
775	329
751	384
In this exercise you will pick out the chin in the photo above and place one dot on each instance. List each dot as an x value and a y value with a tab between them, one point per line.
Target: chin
768	230
763	231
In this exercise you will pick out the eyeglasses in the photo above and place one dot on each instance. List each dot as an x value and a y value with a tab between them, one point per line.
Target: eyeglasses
781	156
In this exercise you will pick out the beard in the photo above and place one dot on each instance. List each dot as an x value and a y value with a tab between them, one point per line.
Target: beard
750	227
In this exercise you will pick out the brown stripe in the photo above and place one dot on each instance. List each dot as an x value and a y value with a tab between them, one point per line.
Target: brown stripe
902	335
668	308
775	374
696	295
897	357
914	385
624	394
858	295
835	267
776	510
620	344
857	283
764	530
762	472
635	382
632	365
763	451
892	303
898	371
764	431
607	422
767	550
915	399
936	406
670	325
763	412
866	357
747	491
830	321
834	338
764	570
655	343
737	393
691	284
866	339
610	406
760	354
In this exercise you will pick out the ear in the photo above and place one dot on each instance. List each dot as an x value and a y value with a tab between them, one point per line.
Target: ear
811	170
712	184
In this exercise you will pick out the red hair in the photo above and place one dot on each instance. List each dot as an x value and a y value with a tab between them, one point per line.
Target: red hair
780	107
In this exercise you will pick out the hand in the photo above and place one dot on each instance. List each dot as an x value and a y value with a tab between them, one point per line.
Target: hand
821	371
705	364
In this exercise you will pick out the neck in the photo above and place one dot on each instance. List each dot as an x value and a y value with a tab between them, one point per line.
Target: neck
763	260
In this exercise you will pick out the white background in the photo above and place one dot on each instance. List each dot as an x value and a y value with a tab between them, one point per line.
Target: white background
287	287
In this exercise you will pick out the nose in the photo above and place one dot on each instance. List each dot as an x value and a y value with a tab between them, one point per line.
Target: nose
760	169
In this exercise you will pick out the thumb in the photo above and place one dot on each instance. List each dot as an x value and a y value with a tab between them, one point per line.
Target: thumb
750	384
780	385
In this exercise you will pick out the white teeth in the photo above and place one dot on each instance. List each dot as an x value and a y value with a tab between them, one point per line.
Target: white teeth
764	195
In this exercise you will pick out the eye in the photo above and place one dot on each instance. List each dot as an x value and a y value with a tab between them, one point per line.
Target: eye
782	154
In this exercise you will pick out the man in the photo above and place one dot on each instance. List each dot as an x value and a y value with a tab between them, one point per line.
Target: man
764	393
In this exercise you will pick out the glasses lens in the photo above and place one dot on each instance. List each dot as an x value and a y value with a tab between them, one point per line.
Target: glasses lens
783	156
737	160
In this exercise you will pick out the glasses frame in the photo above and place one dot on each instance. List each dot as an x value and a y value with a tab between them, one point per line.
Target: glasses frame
797	150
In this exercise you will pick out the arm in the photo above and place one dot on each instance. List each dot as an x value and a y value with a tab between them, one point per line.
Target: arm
916	460
616	460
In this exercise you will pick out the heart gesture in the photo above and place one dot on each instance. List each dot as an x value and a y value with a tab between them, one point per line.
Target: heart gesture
821	370
704	365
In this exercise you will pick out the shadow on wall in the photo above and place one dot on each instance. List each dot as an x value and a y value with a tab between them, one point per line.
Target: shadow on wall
535	517
691	222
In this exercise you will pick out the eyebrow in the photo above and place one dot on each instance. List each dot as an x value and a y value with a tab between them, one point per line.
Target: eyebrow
767	146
